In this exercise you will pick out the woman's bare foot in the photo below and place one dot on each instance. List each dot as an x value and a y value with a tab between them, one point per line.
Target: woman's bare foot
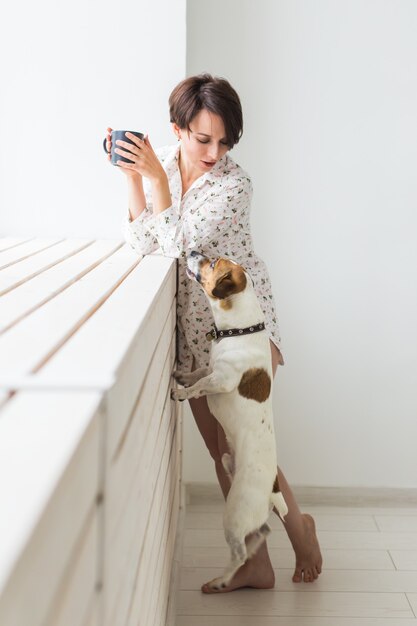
308	555
257	572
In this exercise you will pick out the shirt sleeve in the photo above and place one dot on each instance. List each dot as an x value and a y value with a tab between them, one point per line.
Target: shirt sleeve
134	231
137	236
217	215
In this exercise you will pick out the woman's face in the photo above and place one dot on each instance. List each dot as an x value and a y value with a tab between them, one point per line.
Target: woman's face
205	143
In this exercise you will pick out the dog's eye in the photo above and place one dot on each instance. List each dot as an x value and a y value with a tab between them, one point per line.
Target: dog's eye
212	264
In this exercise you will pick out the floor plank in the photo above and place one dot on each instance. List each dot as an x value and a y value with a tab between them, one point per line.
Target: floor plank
283	603
370	581
243	620
328	539
404	559
284	557
344	522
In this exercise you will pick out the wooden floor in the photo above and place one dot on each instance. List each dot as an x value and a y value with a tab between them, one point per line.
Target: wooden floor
369	576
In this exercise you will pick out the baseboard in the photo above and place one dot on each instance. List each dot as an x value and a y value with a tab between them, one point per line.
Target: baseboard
205	493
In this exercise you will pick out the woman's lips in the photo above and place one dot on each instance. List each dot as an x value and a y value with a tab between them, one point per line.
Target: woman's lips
209	163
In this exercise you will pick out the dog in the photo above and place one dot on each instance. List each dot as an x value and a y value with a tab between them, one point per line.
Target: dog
238	387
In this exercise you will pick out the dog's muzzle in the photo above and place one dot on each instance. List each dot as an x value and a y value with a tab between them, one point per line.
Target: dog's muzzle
194	261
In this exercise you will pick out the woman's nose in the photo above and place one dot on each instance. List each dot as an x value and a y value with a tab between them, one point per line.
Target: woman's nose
214	152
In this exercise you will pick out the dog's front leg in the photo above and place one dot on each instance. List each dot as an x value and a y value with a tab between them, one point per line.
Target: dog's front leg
220	380
190	378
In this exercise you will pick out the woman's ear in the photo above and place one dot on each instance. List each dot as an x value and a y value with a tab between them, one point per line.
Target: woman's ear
177	130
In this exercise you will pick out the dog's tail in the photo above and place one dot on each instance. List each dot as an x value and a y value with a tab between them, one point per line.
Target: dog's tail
278	501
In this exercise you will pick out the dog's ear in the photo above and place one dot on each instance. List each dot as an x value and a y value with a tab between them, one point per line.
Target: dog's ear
224	286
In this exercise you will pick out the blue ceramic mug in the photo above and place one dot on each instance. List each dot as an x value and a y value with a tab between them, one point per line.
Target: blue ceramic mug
120	134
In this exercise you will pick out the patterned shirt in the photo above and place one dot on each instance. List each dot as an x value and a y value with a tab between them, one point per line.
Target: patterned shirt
213	218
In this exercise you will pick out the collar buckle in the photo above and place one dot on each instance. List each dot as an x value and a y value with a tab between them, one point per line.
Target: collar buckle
212	334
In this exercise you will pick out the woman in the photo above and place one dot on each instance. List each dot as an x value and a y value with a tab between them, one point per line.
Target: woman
194	196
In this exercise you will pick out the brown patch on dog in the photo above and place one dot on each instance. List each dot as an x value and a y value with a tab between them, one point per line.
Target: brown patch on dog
225	304
275	488
255	384
223	279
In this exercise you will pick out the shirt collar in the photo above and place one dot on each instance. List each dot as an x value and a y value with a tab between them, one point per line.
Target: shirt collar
212	175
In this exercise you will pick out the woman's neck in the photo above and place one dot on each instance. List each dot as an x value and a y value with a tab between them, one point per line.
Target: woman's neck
188	174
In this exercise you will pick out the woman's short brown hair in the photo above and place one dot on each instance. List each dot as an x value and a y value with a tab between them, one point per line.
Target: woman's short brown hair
214	94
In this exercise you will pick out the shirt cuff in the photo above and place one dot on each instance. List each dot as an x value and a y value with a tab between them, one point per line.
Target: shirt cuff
137	223
161	225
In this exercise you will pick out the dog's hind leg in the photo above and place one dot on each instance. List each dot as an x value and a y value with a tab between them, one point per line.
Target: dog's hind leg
257	538
238	557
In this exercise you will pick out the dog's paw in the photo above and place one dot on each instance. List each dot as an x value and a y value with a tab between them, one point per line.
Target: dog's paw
183	378
217	584
177	374
178	394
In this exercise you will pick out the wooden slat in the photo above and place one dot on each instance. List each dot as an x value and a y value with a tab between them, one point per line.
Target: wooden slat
163	585
125	543
28	249
135	313
143	565
10	242
150	445
125	463
4	396
121	398
156	583
94	615
29	343
91	356
29	295
78	587
22	271
49	465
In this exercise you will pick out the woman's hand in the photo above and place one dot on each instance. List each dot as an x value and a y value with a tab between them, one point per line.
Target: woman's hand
129	173
145	162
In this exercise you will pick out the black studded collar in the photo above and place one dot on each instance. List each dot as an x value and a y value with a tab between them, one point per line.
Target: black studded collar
216	334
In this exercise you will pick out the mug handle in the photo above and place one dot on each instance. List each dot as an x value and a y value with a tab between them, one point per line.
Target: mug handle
104	147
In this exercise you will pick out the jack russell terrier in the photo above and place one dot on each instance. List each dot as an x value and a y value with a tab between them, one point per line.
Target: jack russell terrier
238	389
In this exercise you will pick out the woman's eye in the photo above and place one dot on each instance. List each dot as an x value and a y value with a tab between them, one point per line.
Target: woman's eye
224	143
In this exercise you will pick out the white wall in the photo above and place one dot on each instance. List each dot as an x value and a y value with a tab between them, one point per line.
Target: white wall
330	99
67	71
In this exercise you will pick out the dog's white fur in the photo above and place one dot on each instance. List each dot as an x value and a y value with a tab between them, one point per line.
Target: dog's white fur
247	423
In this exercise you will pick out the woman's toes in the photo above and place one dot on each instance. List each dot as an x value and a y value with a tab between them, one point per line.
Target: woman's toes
308	576
298	575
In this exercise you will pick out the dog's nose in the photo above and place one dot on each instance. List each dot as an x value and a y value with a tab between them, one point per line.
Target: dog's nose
194	253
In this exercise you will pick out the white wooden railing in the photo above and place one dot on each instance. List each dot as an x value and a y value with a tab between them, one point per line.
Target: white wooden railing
90	441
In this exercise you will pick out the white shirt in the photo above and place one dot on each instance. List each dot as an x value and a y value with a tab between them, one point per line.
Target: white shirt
213	218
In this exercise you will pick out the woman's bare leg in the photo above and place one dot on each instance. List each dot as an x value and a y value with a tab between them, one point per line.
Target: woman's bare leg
300	527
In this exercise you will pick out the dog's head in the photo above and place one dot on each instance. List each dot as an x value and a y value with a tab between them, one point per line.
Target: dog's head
220	278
